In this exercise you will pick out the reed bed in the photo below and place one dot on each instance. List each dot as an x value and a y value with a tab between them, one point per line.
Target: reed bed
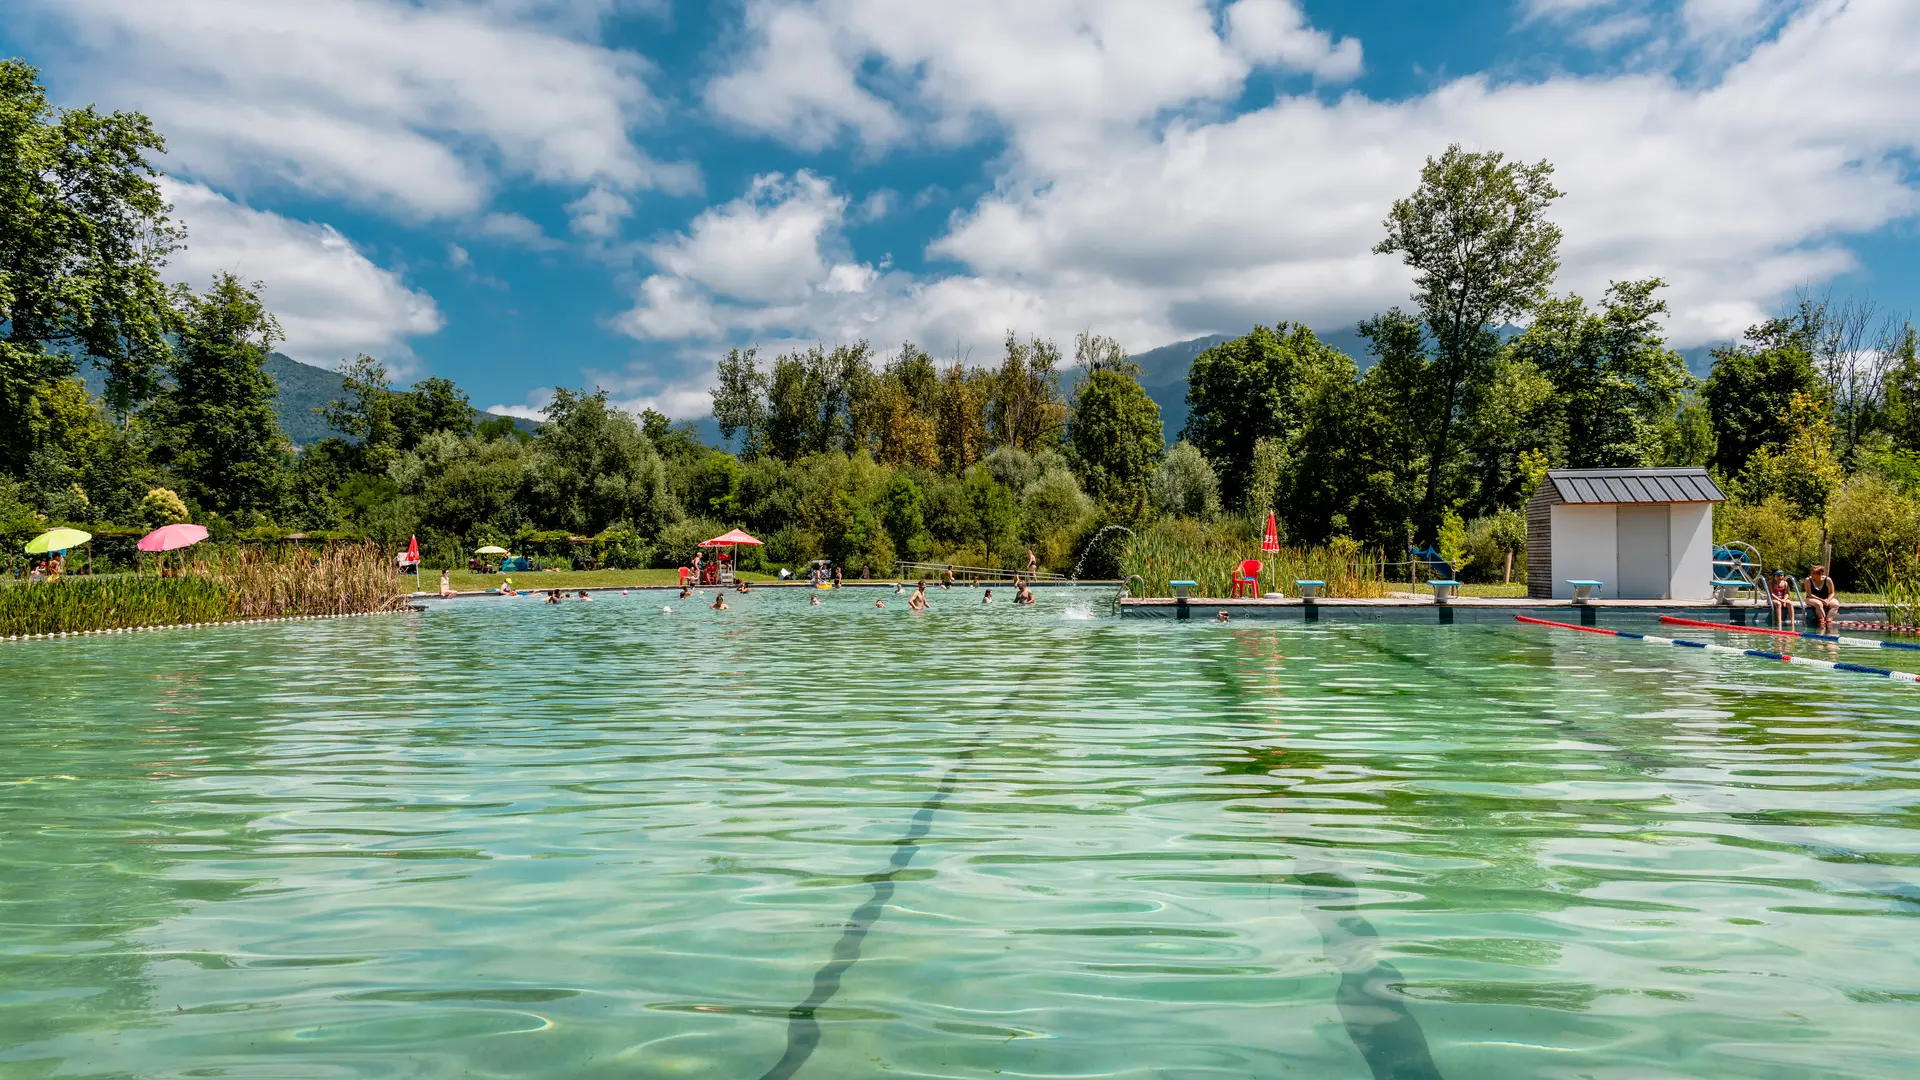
338	579
1209	554
223	584
108	603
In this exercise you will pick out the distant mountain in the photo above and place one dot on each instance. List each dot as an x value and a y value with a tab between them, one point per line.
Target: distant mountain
304	390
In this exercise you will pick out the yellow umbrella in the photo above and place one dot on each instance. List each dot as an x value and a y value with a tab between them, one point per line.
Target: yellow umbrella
57	540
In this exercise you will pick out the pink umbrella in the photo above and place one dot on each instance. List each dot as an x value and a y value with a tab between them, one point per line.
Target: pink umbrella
169	537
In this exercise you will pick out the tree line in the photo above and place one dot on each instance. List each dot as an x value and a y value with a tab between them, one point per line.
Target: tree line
1482	382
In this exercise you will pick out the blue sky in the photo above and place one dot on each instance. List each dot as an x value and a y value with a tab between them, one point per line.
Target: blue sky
519	193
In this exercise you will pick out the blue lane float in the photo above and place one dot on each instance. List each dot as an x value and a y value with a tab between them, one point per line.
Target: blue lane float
1758	654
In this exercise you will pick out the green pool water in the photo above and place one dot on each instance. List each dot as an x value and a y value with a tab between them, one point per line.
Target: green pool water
600	840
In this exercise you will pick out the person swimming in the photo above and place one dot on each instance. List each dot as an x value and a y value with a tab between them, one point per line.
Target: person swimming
1222	617
987	598
898	588
918	601
584	596
685	592
720	601
814	600
742	587
879	603
553	596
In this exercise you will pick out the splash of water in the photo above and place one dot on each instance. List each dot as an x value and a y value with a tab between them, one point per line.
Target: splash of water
1078	613
1099	538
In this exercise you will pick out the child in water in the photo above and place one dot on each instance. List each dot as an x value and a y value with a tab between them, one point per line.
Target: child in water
685	592
814	600
584	596
987	598
720	601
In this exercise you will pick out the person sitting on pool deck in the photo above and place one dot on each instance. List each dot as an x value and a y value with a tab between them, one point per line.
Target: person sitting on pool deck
1780	601
1822	606
720	601
506	587
918	602
446	585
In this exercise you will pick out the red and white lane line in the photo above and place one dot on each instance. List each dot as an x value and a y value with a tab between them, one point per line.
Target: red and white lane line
1807	634
1781	658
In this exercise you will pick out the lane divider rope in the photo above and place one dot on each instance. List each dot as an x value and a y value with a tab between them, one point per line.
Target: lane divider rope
1807	634
1759	654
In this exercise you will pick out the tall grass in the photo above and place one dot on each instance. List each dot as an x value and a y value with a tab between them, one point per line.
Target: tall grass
222	584
1900	591
75	604
1209	554
336	579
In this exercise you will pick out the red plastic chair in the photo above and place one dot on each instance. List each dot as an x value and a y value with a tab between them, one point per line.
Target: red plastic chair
1248	577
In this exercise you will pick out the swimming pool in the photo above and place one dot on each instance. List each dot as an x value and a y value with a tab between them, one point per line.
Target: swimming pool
504	839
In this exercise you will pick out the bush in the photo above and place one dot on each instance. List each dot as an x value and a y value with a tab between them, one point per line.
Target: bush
679	541
162	506
1487	543
1785	540
1185	485
1873	526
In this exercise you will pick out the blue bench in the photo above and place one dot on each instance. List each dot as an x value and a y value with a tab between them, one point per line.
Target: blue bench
1445	590
1308	590
1584	589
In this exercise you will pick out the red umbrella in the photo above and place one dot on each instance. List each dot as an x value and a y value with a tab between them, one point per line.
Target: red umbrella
1270	540
729	539
413	549
169	537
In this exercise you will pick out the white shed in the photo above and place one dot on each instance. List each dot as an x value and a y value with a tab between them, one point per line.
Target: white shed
1646	533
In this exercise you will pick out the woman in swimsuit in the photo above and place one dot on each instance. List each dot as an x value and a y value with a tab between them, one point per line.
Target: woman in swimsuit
1822	604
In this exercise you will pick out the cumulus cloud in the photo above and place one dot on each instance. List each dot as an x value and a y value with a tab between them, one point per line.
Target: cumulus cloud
331	300
1053	75
401	107
1735	190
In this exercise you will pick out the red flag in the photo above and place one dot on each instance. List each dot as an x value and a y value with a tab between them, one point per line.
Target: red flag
1270	540
413	549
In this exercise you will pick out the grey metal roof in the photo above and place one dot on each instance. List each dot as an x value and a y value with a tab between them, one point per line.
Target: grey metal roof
1635	485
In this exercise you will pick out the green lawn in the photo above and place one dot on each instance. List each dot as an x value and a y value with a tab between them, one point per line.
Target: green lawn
467	581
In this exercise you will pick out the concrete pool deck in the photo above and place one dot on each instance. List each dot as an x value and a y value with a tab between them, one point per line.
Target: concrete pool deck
1408	609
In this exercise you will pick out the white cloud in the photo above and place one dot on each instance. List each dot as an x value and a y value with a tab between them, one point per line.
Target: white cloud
669	308
331	300
1055	75
516	229
598	213
405	108
767	246
1276	31
1736	191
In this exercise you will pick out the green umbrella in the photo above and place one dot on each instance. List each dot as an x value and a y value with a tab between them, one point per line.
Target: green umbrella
57	540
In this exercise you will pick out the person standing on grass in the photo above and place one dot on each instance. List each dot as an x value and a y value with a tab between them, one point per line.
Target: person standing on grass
1823	604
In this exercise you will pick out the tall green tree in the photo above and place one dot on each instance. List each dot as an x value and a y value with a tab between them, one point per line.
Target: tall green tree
1751	390
215	421
1247	389
739	401
1614	381
1483	253
592	468
83	234
1114	435
1024	406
